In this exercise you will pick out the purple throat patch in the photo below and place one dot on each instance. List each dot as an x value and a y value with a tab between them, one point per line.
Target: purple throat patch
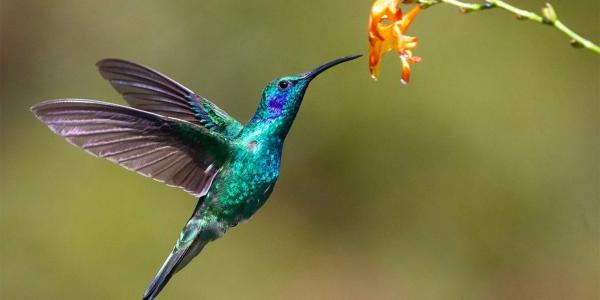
276	104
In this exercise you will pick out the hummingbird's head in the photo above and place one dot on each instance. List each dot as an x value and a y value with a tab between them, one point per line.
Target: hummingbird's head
282	97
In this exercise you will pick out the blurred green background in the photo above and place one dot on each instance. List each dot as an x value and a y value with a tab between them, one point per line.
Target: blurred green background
479	180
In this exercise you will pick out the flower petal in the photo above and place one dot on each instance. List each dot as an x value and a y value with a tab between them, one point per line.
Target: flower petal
405	77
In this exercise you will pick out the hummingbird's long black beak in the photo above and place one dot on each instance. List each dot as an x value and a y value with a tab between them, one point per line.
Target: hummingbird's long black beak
312	74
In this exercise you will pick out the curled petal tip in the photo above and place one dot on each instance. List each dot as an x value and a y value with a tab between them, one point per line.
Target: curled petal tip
414	59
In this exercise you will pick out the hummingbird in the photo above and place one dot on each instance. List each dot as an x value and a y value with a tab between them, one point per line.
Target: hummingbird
175	136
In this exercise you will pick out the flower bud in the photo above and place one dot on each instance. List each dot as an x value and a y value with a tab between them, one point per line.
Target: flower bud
549	13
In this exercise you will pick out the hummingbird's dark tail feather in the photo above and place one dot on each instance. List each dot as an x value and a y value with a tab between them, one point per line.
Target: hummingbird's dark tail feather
175	262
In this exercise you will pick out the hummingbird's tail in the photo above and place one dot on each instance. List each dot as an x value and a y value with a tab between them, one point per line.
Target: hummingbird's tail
195	235
175	262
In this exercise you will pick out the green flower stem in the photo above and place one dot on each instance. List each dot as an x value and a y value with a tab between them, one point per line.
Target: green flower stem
551	20
464	7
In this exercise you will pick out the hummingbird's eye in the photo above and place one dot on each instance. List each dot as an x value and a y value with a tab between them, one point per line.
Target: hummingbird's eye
283	85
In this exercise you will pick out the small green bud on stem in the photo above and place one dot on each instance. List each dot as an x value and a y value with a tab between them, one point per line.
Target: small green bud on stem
549	13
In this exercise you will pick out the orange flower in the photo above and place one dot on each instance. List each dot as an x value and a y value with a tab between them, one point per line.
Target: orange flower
387	26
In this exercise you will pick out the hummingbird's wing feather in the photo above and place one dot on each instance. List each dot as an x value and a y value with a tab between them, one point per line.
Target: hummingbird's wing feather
149	90
169	150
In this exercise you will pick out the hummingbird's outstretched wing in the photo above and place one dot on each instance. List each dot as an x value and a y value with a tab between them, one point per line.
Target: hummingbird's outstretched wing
166	149
149	90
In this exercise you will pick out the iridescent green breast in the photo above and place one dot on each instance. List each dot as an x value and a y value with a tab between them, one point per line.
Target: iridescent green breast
245	182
